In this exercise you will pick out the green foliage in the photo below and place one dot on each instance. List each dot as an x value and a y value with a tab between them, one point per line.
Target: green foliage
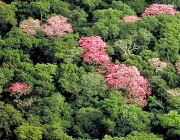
170	76
66	48
170	121
44	75
143	66
92	84
137	5
69	98
60	7
7	16
129	116
54	131
107	23
120	119
26	131
134	136
42	7
149	22
88	123
168	45
10	118
122	7
17	39
70	75
50	110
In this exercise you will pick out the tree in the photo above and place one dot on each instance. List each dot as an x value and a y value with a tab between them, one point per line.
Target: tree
44	74
94	50
30	26
53	114
26	131
135	136
42	6
171	124
66	49
10	119
88	124
157	64
107	23
56	26
7	17
129	79
60	8
90	5
130	18
93	89
69	78
18	89
156	9
18	40
124	8
123	48
136	5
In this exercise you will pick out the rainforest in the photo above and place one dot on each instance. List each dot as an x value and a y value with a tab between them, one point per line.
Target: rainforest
89	69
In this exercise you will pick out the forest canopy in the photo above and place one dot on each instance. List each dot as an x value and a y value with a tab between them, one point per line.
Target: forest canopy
89	69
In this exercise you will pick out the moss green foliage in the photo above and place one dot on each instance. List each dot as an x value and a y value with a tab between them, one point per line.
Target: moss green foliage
70	99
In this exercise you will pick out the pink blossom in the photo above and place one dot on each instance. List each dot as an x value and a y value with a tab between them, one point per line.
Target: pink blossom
30	26
156	9
173	92
128	78
116	76
130	18
56	26
94	50
157	64
18	89
177	65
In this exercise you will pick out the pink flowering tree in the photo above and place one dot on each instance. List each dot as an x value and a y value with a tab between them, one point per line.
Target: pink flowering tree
156	9
130	18
157	64
30	26
94	50
56	26
129	79
177	66
18	89
117	76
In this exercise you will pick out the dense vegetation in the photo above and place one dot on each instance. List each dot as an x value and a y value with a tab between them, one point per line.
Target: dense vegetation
90	69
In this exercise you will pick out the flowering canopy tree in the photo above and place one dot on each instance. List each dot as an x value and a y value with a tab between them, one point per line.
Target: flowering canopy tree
116	76
156	9
129	79
18	89
130	18
56	26
157	64
30	26
94	50
177	65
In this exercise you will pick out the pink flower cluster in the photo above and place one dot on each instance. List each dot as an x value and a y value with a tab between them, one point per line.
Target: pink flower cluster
56	26
173	92
94	50
157	64
18	89
130	18
128	78
177	65
156	9
116	76
30	26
